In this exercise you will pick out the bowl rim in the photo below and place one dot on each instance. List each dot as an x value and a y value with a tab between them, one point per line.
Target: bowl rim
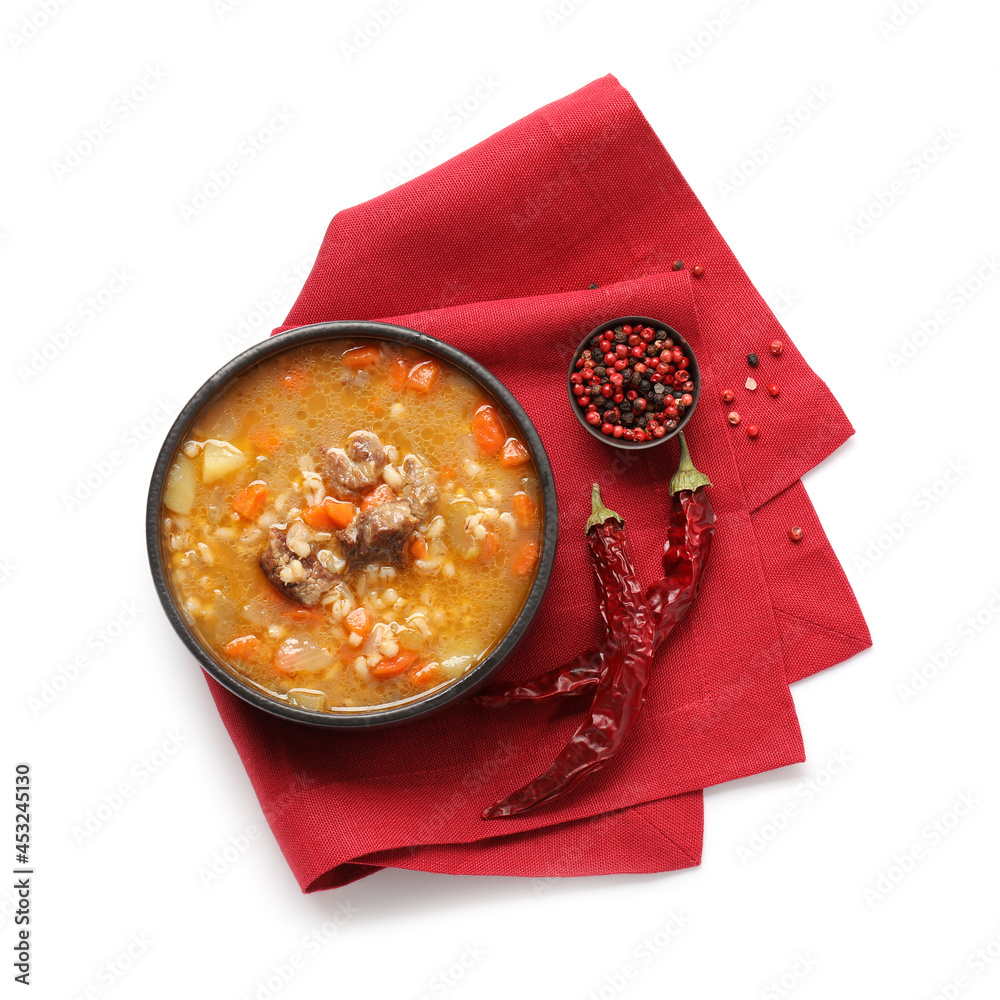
693	368
393	713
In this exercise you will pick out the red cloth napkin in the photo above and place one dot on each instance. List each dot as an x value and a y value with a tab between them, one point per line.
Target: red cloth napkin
494	252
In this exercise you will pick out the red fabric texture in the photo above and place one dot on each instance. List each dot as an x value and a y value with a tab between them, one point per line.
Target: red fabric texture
494	252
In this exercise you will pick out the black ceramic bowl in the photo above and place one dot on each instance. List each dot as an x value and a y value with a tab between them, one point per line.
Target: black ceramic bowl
368	716
656	324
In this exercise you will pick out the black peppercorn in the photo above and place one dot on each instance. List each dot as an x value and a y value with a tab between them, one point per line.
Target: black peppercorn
600	371
620	336
645	385
752	360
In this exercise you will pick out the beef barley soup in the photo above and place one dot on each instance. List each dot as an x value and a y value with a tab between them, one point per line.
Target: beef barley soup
351	523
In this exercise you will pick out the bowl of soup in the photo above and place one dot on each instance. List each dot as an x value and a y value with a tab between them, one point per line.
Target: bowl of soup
351	524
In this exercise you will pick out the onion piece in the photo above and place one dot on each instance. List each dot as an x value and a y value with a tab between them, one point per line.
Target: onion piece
456	666
301	655
307	698
374	638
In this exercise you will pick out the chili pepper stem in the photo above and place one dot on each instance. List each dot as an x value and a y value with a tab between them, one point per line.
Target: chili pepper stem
599	513
687	477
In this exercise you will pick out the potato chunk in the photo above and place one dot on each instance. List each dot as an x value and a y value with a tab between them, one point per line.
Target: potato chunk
220	458
178	494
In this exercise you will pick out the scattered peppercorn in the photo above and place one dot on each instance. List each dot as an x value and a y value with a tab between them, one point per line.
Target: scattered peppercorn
773	389
753	430
734	417
593	286
697	270
751	383
728	395
753	360
795	533
678	265
777	347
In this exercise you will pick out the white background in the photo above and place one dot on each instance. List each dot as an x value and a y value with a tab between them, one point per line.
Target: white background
847	302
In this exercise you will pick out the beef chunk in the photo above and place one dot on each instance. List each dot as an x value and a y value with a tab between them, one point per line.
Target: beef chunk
379	534
358	466
420	487
303	578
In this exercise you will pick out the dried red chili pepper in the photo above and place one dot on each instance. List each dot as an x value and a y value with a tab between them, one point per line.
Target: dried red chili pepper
685	554
621	690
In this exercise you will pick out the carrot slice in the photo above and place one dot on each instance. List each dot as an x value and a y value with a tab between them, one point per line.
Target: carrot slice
513	454
425	675
524	562
249	502
418	548
398	372
243	648
491	546
265	439
524	508
290	610
293	380
487	430
394	665
341	512
379	495
360	621
423	377
305	616
361	357
329	515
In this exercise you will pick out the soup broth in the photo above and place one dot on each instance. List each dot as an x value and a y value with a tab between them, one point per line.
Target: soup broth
351	523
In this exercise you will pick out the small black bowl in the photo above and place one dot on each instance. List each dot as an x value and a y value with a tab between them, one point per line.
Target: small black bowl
370	716
656	324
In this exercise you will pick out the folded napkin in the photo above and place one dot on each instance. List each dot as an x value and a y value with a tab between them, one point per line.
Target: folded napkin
495	252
